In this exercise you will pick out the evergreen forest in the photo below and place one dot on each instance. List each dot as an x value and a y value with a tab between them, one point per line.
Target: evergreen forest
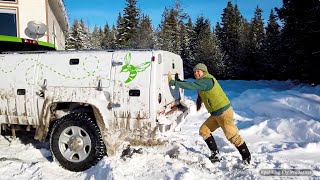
286	46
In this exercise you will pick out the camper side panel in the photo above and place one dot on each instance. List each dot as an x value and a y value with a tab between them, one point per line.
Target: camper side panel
76	69
17	77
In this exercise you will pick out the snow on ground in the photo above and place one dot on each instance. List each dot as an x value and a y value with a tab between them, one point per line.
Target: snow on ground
280	121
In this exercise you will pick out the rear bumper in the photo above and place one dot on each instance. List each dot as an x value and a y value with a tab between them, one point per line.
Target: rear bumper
176	116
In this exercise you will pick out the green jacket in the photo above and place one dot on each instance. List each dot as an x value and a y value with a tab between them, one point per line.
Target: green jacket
211	93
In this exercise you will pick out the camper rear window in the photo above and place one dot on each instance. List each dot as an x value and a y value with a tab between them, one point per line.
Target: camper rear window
9	22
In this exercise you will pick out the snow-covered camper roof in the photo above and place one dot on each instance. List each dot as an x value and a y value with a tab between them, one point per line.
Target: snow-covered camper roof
61	15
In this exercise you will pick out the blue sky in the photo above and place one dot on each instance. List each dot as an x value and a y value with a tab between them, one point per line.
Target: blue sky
101	11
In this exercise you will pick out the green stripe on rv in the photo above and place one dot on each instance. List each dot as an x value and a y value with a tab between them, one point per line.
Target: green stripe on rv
16	39
46	44
10	39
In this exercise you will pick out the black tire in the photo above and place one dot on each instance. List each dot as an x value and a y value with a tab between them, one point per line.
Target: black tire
76	142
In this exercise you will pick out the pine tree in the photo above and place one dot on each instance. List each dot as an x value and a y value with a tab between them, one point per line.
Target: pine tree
169	31
105	37
229	35
73	40
84	35
120	33
79	36
271	48
186	33
108	38
223	73
128	24
113	34
300	33
219	66
205	47
257	30
68	39
101	34
181	17
256	38
96	38
245	50
146	38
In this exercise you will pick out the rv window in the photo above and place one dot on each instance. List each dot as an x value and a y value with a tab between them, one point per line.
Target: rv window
8	20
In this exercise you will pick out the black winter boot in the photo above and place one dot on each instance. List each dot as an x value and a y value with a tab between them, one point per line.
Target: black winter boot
245	153
215	156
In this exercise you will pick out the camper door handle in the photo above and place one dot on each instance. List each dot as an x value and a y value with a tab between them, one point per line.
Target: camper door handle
116	105
40	93
99	87
115	63
44	85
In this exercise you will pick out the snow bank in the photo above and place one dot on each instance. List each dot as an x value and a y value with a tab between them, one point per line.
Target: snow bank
278	120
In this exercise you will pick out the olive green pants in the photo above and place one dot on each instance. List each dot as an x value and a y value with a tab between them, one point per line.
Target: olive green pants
226	122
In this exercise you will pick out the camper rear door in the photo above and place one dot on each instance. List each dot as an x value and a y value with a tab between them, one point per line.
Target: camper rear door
131	92
171	63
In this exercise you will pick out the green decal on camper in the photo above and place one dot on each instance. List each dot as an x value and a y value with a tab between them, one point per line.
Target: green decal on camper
133	70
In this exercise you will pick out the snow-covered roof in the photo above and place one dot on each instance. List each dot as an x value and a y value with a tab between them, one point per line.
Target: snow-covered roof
61	3
61	14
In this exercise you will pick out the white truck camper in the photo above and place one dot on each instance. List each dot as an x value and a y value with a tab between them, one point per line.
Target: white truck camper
87	103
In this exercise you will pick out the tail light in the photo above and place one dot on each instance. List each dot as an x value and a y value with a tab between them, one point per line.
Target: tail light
29	41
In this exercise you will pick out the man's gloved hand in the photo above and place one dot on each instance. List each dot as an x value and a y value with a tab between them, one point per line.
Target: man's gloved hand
176	77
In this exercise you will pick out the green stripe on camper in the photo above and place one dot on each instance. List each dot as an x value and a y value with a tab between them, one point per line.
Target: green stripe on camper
10	38
19	40
46	44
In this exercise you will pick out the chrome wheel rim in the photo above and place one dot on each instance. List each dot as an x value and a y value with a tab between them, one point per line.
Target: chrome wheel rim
75	144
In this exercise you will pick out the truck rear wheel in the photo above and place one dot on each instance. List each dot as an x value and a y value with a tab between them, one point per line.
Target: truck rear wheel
76	142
